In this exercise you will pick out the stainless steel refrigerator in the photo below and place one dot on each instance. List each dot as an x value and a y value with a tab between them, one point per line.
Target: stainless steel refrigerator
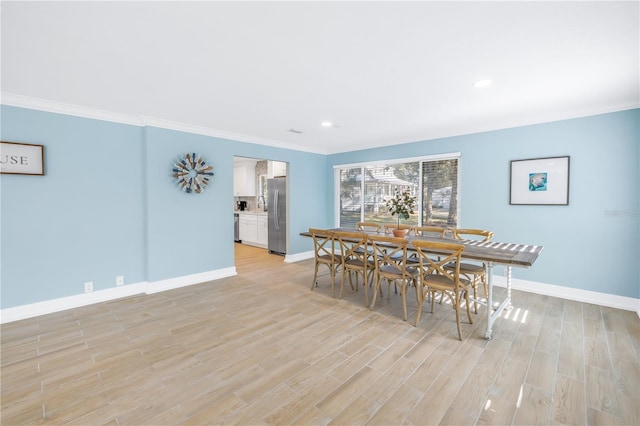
277	207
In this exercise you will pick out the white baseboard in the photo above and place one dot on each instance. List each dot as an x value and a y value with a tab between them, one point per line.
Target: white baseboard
291	258
186	280
62	304
70	302
602	299
56	305
579	295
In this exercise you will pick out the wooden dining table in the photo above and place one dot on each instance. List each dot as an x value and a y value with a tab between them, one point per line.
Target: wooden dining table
491	253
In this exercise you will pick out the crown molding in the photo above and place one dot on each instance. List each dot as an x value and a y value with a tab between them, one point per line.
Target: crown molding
46	105
222	134
20	101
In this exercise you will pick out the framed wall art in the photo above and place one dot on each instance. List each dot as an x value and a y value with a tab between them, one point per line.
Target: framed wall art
192	173
21	158
540	181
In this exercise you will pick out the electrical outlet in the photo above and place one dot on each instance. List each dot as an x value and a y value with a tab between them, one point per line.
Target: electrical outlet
120	280
88	287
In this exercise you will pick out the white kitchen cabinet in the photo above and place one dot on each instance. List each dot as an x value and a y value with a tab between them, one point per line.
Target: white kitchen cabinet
244	180
263	230
254	229
277	168
248	228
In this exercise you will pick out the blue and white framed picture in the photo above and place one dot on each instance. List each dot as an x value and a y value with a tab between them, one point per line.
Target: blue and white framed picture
540	181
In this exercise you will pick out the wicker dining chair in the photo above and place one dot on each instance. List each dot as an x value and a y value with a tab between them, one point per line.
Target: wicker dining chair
356	260
368	226
324	254
429	231
390	259
435	276
426	231
474	271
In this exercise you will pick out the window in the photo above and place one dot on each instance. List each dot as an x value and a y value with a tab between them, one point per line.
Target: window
364	189
440	192
350	191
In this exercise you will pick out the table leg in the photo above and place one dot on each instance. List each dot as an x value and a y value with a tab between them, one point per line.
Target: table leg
508	287
488	334
492	315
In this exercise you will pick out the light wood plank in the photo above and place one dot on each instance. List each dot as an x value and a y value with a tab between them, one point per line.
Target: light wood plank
542	371
534	406
396	407
568	407
261	348
601	390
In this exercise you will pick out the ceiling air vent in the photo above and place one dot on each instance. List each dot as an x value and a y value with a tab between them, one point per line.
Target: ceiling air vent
297	132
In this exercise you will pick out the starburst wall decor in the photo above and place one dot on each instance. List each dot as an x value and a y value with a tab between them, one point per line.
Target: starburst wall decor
192	173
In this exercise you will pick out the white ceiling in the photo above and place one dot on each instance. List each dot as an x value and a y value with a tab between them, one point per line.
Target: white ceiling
383	72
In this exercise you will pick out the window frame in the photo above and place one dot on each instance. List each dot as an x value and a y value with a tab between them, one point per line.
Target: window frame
363	165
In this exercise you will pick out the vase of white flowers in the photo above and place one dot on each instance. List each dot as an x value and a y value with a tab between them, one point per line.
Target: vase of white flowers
401	205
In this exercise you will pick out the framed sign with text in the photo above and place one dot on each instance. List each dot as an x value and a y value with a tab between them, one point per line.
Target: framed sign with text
21	158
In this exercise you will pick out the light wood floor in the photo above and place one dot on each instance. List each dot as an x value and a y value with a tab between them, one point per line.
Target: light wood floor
261	348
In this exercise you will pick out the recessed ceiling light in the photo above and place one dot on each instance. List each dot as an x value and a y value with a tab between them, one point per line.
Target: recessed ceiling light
482	83
326	124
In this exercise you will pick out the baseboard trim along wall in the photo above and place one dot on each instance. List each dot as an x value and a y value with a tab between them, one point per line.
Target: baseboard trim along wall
64	303
602	299
187	280
576	294
292	258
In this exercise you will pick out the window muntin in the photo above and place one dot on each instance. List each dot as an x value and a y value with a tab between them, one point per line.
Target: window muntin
381	182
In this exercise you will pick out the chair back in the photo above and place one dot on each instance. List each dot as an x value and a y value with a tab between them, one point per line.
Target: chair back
388	229
430	231
353	247
435	276
434	256
368	226
390	254
472	234
323	243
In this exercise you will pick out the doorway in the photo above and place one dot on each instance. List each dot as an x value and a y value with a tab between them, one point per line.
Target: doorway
258	225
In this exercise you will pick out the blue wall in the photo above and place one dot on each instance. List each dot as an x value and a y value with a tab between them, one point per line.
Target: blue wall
108	206
83	220
592	244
